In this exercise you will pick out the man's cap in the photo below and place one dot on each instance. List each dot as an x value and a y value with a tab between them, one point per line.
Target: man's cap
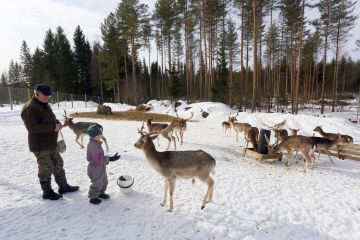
44	89
93	131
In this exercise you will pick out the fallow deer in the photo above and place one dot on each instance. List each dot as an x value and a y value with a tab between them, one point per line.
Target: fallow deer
178	164
325	144
302	144
79	129
280	134
159	129
238	127
344	138
180	126
251	135
294	131
226	126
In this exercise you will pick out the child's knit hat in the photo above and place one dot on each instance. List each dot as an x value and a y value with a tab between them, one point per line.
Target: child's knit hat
93	131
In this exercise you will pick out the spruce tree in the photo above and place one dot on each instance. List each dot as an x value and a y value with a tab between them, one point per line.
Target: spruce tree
38	69
82	60
25	60
50	58
64	66
3	79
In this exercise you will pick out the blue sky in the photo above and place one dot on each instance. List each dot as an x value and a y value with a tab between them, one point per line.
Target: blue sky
29	20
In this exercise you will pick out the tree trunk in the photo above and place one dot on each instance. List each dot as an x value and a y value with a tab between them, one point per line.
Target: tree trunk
299	57
133	61
324	63
253	103
335	81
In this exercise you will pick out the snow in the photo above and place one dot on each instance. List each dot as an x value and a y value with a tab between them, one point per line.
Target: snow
251	200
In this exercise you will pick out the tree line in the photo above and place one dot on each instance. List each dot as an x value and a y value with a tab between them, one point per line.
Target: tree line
240	52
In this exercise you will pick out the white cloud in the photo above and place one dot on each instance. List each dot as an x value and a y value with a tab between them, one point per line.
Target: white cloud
29	20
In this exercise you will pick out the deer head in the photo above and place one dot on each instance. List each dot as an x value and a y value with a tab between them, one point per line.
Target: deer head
68	120
144	138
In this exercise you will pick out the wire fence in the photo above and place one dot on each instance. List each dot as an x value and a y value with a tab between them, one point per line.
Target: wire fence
16	96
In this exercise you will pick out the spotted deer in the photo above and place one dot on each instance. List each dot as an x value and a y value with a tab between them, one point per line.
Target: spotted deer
159	128
343	138
79	129
325	144
280	134
238	127
178	164
304	145
180	126
226	127
252	136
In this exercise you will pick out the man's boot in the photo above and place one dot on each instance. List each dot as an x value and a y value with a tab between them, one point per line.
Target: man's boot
64	187
48	192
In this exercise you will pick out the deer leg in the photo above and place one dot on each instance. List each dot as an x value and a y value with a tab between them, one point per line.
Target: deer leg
77	141
182	137
306	164
289	158
158	141
208	196
169	139
328	153
104	139
174	140
171	188
247	143
166	188
237	136
177	137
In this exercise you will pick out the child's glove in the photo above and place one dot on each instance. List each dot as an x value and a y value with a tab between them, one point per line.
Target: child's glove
114	158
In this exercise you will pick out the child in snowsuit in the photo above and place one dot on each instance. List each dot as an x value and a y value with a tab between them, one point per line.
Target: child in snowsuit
96	169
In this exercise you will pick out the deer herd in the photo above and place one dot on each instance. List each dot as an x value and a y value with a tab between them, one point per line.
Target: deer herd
199	164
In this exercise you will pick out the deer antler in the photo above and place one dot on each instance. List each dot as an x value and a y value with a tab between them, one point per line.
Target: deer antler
65	114
277	126
192	114
141	132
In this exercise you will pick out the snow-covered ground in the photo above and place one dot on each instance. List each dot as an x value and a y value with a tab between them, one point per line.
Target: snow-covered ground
251	200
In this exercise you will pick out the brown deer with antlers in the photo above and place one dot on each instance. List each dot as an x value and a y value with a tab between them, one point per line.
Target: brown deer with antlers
79	129
178	164
163	129
180	126
237	126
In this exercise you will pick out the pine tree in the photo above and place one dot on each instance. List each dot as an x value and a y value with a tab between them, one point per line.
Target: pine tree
82	60
132	16
3	79
50	58
38	69
344	19
64	64
25	60
15	75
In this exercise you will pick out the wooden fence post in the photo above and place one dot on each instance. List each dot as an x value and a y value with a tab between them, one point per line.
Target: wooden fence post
10	99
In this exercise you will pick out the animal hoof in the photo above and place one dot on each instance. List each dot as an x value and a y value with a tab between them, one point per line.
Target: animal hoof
162	204
202	207
170	210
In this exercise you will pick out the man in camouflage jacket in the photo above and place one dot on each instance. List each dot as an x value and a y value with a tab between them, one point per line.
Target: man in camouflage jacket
43	129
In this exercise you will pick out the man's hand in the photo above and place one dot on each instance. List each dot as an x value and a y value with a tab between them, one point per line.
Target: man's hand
58	127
